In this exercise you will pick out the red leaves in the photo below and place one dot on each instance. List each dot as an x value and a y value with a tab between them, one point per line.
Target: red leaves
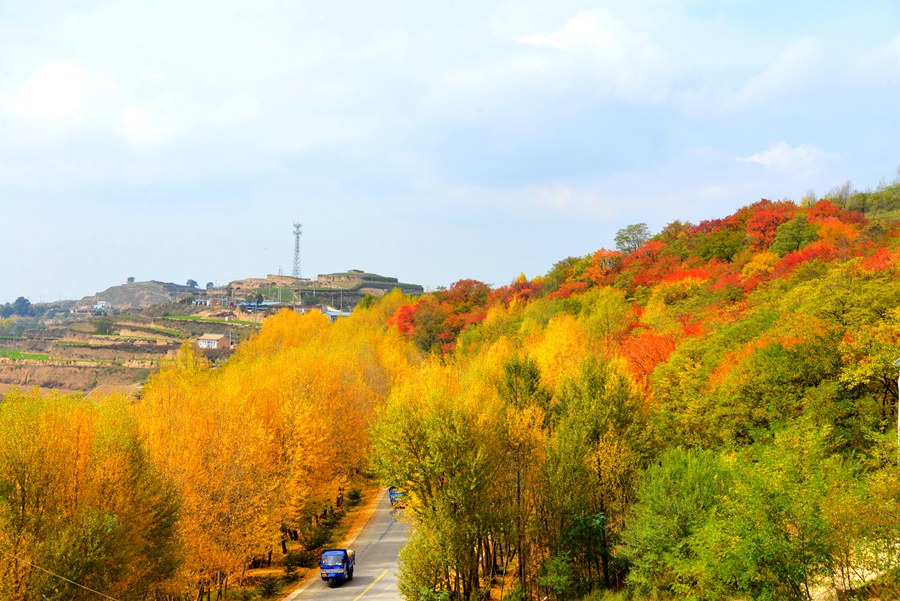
604	264
762	226
882	260
404	319
811	252
522	290
645	351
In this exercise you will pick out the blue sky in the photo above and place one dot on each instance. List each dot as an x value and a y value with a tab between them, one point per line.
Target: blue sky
423	140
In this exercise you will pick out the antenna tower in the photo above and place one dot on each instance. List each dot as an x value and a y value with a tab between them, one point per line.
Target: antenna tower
298	230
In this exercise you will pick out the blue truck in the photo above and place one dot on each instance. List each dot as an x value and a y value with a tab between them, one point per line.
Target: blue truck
336	565
396	495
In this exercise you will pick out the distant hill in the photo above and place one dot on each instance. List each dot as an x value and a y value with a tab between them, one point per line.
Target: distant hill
141	294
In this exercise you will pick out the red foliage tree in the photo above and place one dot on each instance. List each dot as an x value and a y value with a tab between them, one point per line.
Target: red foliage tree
762	226
645	351
404	319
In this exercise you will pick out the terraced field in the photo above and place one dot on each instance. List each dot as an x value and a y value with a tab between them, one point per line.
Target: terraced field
82	353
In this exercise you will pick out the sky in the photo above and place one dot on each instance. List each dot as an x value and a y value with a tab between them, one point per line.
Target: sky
428	141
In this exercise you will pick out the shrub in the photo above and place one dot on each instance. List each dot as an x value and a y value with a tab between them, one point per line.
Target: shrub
315	537
300	559
354	496
268	586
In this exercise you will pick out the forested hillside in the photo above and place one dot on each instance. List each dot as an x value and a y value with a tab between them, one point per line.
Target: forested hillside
707	412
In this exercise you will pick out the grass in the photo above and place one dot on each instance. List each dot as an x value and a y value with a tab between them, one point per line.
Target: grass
14	354
211	320
161	331
19	355
271	293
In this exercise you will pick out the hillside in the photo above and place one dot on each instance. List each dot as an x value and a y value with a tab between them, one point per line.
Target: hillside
141	294
709	411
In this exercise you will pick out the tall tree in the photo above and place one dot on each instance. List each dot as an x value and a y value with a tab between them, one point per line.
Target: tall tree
630	238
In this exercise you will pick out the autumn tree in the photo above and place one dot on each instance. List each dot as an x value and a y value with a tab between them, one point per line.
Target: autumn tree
79	497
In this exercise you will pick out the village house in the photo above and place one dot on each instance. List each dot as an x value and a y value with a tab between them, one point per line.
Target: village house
213	342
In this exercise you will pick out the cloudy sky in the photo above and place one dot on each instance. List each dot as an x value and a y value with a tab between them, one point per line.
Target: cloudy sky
430	141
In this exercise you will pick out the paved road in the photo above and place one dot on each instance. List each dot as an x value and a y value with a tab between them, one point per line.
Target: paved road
375	577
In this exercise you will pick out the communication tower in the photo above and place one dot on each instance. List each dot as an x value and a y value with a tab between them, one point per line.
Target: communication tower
298	230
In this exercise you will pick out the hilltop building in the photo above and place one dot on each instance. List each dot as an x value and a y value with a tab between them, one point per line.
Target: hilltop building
342	290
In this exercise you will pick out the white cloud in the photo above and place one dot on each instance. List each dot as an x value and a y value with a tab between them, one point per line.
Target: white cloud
881	64
143	128
627	61
797	66
801	161
57	91
570	199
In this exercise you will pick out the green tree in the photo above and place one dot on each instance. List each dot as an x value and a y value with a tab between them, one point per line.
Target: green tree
367	301
793	235
678	496
103	326
526	414
724	244
440	445
629	238
22	307
559	273
192	283
594	461
429	321
771	540
557	575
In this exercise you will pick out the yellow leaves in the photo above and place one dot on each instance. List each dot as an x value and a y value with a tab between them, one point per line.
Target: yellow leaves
285	329
670	301
607	314
835	232
251	441
868	353
525	427
615	464
558	349
761	264
75	487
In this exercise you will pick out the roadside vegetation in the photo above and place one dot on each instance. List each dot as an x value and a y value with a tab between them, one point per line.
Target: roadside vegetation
707	412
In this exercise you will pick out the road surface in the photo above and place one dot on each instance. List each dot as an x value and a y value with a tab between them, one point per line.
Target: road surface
375	577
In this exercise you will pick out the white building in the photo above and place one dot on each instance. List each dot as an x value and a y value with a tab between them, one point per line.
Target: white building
213	341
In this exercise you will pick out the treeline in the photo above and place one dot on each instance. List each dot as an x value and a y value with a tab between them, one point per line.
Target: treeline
711	414
172	497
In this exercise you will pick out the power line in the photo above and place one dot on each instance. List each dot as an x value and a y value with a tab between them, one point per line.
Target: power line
58	576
